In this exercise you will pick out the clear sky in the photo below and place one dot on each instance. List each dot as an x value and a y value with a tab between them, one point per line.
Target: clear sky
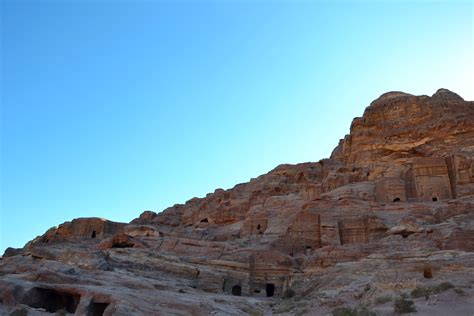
110	108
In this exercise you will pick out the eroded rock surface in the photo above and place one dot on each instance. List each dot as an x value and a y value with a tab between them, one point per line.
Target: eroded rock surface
390	212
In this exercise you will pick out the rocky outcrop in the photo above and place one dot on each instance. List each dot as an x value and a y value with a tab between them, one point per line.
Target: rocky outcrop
391	210
81	228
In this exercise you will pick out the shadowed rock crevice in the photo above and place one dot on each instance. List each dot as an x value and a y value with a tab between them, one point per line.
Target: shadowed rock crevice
51	300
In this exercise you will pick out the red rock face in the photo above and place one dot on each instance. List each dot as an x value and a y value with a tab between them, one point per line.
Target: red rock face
392	209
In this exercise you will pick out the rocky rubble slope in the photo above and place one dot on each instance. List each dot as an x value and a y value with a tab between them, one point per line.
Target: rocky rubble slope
386	220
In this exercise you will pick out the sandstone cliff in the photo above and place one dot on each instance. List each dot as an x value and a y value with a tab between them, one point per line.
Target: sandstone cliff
390	212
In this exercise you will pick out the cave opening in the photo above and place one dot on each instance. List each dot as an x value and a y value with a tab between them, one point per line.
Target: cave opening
122	244
52	300
204	220
270	289
405	234
396	199
434	199
257	290
97	309
93	235
427	272
258	227
237	290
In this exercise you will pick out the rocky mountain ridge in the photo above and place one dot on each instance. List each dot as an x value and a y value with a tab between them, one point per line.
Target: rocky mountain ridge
390	212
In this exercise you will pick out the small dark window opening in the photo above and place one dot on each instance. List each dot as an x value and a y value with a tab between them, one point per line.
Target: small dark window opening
93	234
308	248
434	199
204	220
396	200
258	227
237	290
257	290
270	290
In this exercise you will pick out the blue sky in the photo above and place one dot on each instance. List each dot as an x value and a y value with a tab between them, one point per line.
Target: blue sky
110	108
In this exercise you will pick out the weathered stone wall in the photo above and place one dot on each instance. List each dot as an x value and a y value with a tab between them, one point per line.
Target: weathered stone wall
312	191
353	231
461	173
391	190
431	178
269	273
255	224
303	235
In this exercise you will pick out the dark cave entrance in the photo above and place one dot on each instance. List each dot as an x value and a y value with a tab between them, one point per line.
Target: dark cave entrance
93	234
434	199
204	220
237	290
396	199
51	300
270	289
405	234
122	244
259	229
427	272
97	309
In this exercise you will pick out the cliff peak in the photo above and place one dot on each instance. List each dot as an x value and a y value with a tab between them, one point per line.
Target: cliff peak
447	94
